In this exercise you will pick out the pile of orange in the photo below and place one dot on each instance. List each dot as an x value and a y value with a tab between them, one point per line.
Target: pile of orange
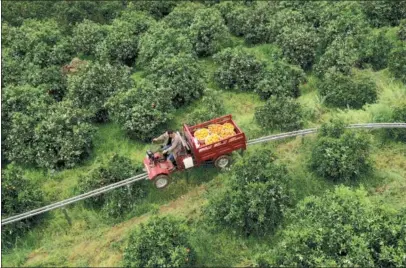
214	133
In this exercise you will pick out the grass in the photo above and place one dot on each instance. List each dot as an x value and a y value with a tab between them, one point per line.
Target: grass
93	241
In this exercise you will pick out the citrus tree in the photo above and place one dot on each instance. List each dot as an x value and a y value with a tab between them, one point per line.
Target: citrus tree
162	241
342	227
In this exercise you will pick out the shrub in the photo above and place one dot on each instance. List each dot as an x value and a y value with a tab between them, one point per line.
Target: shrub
121	200
162	241
281	79
212	107
158	9
341	55
255	198
94	83
18	195
239	69
180	74
397	62
207	32
87	35
402	30
64	137
259	26
334	128
22	108
298	45
352	90
398	116
384	13
182	16
375	50
341	228
235	15
282	113
142	111
121	42
162	40
341	159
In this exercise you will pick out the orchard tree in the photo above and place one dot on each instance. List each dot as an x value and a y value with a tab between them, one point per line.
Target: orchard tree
94	83
87	35
282	113
343	91
64	137
162	241
182	16
22	107
121	200
142	111
299	45
280	79
16	12
161	39
18	195
397	62
341	55
402	30
180	74
255	198
235	15
157	9
342	158
341	228
398	115
384	13
121	43
239	69
259	24
375	50
208	32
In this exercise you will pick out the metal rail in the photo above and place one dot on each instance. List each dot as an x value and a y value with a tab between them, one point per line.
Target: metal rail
145	175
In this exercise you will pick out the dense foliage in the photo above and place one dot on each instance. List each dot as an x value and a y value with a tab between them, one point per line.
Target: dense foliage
340	157
341	228
282	113
207	32
255	197
18	195
280	79
120	201
384	13
161	242
121	42
94	83
162	40
210	108
402	30
375	50
239	69
87	35
397	62
181	75
64	137
182	15
142	111
340	90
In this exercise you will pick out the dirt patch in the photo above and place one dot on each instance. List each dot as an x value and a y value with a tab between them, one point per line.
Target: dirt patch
36	257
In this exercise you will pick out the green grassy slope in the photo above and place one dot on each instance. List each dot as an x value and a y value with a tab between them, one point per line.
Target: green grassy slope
93	241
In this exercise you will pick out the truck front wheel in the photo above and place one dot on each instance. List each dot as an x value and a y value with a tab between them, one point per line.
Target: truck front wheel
222	161
161	181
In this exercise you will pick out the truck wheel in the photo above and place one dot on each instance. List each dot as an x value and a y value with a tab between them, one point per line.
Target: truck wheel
222	161
161	181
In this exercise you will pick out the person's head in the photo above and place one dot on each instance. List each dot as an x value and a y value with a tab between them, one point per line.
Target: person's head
170	133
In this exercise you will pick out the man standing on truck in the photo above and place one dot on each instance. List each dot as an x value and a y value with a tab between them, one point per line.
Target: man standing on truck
172	143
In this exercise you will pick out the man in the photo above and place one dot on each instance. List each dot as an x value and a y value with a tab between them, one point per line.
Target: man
172	143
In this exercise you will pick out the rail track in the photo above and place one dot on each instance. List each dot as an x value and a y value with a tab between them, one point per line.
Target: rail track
144	176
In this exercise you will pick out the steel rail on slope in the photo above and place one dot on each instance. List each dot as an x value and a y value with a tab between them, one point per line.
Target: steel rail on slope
74	199
144	175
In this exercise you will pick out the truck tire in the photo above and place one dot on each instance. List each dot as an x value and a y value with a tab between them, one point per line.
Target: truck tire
222	161
161	181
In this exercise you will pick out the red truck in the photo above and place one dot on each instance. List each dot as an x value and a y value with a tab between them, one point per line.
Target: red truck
194	153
